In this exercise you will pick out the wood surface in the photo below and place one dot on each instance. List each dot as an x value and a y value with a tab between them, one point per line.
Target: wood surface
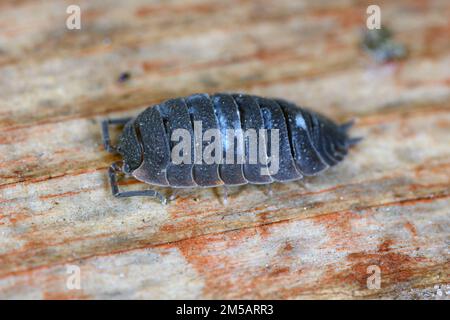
386	205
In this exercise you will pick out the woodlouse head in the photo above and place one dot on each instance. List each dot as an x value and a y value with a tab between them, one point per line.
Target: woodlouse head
129	148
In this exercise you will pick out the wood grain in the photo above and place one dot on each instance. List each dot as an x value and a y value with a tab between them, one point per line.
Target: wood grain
387	204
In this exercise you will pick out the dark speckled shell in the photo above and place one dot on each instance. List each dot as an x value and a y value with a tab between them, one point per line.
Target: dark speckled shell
309	142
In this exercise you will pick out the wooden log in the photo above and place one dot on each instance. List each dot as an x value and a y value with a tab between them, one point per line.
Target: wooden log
387	205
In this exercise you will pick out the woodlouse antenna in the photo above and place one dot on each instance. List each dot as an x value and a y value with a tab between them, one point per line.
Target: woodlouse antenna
105	132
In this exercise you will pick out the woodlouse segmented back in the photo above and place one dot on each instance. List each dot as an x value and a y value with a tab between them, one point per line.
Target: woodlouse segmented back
307	142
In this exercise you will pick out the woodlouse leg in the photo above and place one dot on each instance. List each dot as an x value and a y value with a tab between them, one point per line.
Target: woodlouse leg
269	190
105	131
225	195
113	170
174	195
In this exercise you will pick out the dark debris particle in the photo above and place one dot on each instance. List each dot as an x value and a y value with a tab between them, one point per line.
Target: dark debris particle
123	77
380	45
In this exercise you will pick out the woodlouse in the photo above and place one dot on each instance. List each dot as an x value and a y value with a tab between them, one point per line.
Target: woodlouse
308	142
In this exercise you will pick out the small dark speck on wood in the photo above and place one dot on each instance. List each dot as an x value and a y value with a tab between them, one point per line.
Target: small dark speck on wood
123	77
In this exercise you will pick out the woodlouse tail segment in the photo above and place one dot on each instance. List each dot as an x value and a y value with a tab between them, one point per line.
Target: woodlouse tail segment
353	141
112	173
345	128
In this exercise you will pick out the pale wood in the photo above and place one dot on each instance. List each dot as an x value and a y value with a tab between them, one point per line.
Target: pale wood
387	204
